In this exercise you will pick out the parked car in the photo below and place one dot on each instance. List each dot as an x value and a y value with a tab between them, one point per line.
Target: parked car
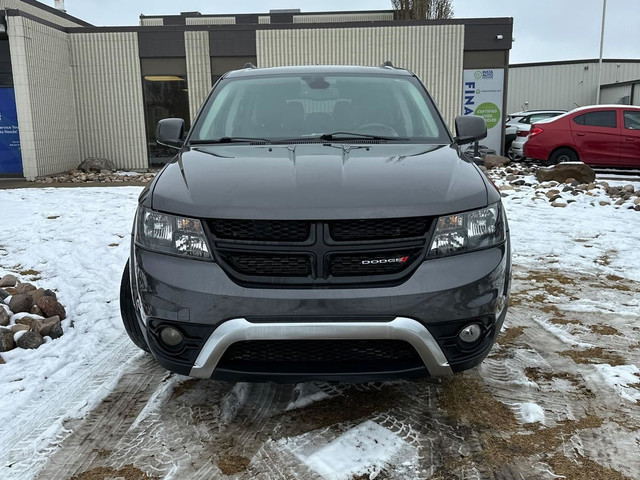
601	135
523	120
318	223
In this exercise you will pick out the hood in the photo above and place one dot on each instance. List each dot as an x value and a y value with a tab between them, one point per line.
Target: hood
318	182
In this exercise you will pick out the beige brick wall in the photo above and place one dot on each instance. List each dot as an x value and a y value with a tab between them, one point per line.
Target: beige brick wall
433	52
44	96
108	85
198	69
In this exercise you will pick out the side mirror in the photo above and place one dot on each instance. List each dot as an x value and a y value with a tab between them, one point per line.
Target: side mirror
469	129
170	132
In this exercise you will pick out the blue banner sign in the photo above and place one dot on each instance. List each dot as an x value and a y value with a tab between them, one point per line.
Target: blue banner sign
10	157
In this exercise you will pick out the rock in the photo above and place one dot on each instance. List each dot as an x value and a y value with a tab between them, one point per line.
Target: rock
51	307
51	327
3	294
36	294
8	281
628	188
567	189
25	288
570	181
552	193
4	318
510	178
620	202
559	204
35	311
592	186
2	362
504	188
555	197
637	208
571	201
30	340
20	302
95	164
6	340
10	290
50	293
18	328
492	161
604	203
636	201
518	182
582	186
572	170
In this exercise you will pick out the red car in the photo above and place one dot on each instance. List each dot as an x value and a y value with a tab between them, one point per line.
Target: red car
602	135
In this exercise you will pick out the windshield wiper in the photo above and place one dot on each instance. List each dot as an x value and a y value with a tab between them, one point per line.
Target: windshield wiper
345	135
230	140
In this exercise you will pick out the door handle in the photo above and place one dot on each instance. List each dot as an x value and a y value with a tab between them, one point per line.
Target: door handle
580	134
629	139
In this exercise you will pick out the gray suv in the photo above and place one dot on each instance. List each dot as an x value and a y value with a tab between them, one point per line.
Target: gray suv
318	223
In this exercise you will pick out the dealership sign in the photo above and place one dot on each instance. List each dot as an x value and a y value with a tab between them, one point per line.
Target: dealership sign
10	157
483	94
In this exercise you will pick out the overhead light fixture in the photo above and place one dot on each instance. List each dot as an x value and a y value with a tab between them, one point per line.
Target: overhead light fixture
164	78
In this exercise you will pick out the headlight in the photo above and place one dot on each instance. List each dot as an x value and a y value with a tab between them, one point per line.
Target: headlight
464	232
170	234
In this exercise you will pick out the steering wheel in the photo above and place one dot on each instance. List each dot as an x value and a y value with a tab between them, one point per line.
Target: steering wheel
377	129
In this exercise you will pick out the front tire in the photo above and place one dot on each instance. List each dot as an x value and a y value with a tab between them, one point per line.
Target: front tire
128	312
563	155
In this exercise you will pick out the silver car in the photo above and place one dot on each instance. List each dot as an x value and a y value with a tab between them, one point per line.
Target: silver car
521	127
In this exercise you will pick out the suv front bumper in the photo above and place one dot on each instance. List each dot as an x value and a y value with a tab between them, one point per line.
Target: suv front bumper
428	310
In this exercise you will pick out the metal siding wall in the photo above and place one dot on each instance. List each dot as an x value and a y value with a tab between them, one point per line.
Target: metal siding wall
211	20
152	22
108	84
44	96
37	12
264	20
563	86
433	53
198	69
346	17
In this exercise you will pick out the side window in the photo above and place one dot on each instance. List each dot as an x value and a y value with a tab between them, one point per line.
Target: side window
605	119
540	116
632	120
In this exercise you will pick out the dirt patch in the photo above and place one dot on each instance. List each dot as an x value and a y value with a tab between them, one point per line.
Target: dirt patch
114	244
604	330
183	388
53	217
461	392
594	356
128	472
232	464
565	321
29	272
498	451
510	335
605	259
351	406
537	375
583	469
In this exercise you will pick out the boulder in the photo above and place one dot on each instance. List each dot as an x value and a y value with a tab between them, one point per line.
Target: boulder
36	294
3	294
20	302
30	340
50	293
25	288
51	307
577	171
8	281
18	327
492	161
95	164
6	340
4	317
51	327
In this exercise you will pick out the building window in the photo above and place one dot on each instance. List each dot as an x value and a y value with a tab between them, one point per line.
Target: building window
165	96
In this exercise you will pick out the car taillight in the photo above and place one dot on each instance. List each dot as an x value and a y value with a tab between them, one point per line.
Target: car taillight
535	131
523	133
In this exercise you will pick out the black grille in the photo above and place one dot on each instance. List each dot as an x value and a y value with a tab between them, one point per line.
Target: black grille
270	265
261	230
371	263
319	253
332	351
378	229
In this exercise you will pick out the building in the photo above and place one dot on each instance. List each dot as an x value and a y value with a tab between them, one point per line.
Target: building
570	84
84	91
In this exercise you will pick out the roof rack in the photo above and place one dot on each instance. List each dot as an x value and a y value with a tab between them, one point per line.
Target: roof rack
249	65
387	63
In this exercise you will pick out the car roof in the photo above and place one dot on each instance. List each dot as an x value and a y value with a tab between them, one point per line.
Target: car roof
318	69
524	113
607	107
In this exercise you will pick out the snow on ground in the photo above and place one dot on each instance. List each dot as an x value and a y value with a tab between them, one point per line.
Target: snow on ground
78	241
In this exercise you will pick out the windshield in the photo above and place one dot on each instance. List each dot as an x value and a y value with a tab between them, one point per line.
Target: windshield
303	107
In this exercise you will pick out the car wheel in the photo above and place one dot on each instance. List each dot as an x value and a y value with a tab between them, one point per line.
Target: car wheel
563	155
128	312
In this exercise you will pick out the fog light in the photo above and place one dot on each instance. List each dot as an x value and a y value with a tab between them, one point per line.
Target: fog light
171	337
471	333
